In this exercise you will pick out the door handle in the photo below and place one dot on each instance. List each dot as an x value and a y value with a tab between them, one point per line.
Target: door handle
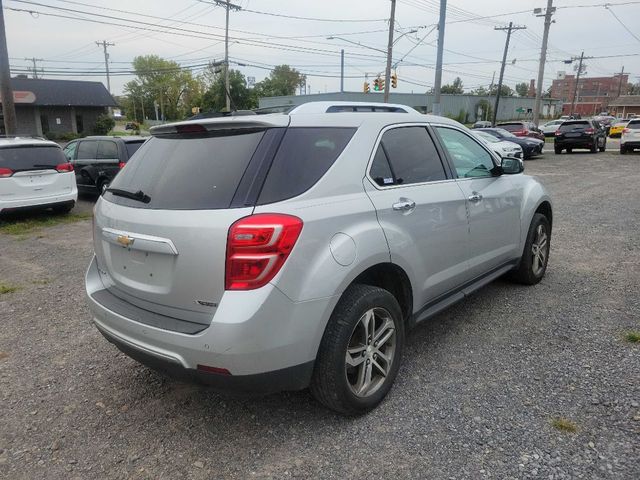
404	205
475	197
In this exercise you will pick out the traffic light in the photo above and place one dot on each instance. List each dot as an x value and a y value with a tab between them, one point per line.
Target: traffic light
365	87
394	80
376	84
381	84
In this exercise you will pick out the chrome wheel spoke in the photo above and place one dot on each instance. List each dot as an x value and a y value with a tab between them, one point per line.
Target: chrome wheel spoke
383	330
354	356
367	321
382	370
385	338
536	263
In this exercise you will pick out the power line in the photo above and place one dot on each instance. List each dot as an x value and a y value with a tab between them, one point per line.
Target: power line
623	25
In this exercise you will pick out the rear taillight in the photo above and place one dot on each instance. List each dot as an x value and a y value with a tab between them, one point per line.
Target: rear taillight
589	131
558	133
257	247
64	167
121	165
5	172
625	130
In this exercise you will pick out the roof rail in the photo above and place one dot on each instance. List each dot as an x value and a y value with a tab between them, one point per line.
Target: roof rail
339	107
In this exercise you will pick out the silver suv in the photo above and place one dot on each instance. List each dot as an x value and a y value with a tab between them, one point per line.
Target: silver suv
284	251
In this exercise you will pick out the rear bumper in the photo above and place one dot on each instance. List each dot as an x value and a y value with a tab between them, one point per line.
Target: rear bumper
576	143
630	143
266	341
40	202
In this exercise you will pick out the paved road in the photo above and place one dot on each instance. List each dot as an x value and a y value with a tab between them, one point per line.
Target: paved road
477	394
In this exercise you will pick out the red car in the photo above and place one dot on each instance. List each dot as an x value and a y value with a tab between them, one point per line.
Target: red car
523	129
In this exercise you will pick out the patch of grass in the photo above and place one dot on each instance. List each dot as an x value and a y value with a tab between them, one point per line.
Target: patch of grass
7	288
25	226
564	425
44	281
632	337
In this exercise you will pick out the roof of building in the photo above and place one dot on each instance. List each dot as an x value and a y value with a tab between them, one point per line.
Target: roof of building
626	101
50	92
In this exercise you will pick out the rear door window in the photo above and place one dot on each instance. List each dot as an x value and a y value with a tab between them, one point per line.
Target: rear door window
19	159
304	156
87	150
406	155
107	150
187	173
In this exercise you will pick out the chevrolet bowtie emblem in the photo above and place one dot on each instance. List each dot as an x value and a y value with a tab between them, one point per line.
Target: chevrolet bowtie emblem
125	240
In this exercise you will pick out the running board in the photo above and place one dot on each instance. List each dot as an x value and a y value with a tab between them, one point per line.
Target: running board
448	299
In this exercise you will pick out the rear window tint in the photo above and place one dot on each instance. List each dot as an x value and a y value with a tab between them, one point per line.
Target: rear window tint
634	125
107	150
194	173
512	127
304	156
132	147
31	158
569	126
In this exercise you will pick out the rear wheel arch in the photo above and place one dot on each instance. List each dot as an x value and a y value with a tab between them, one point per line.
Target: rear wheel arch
545	209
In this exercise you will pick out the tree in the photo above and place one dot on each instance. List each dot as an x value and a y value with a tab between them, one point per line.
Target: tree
505	91
455	87
214	97
283	80
522	89
162	82
104	124
483	91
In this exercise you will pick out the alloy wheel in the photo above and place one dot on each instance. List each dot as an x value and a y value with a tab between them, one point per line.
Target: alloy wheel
370	352
539	250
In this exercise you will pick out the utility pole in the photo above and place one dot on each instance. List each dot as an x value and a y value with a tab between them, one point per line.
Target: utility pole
620	83
34	70
387	73
575	87
342	70
104	45
228	6
6	92
509	29
437	109
543	58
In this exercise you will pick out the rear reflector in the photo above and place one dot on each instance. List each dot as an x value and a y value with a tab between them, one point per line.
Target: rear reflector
257	247
208	369
121	165
5	172
64	167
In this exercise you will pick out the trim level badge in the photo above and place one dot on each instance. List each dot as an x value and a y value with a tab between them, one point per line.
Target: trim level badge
125	240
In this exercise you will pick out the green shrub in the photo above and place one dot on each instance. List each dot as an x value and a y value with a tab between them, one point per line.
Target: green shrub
104	124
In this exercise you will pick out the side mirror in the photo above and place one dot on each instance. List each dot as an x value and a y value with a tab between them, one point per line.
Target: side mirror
512	165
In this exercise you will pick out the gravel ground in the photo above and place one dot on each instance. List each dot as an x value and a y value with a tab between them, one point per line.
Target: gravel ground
477	395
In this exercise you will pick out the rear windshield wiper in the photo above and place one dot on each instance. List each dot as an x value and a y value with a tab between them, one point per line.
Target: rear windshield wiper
140	196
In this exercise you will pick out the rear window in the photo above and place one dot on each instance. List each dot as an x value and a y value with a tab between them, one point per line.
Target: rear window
634	125
31	158
512	127
569	126
187	173
132	147
304	156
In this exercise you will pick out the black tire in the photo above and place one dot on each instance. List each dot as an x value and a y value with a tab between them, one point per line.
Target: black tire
623	150
604	146
330	384
64	209
102	185
594	147
569	150
525	273
558	150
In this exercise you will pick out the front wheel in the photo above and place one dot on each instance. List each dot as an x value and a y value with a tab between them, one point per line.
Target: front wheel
558	150
604	145
533	263
623	150
360	352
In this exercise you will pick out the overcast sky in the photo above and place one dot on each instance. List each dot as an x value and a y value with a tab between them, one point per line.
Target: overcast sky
473	48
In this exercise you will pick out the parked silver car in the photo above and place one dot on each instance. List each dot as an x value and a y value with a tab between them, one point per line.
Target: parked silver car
278	252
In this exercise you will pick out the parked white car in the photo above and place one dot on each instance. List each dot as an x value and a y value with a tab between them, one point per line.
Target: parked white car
501	147
630	138
35	173
549	129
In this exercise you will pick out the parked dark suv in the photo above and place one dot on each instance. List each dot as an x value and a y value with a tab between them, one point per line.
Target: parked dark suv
97	160
580	134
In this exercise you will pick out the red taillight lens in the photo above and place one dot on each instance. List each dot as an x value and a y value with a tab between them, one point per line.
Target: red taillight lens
558	133
257	247
64	167
121	165
5	172
625	130
589	131
191	128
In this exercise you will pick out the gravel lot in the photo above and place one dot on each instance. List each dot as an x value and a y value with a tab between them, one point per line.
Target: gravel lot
477	394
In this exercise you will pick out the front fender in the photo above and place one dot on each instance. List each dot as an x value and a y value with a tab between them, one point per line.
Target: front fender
534	194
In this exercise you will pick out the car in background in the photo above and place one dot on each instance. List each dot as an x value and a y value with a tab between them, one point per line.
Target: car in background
549	128
522	129
616	128
34	173
630	138
606	121
501	147
482	124
580	134
132	126
530	146
97	160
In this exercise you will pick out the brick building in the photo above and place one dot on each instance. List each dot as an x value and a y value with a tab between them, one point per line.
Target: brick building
626	106
58	106
594	94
